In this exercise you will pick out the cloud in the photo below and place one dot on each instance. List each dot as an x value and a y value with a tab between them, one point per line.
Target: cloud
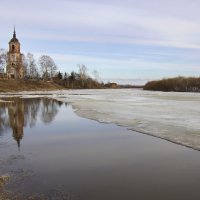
127	38
91	21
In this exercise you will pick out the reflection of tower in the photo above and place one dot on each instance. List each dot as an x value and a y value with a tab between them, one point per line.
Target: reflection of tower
16	118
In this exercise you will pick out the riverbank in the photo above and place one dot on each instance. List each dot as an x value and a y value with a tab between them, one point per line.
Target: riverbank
27	85
40	85
177	84
169	116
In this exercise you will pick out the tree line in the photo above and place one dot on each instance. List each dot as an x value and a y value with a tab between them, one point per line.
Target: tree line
177	84
45	69
79	80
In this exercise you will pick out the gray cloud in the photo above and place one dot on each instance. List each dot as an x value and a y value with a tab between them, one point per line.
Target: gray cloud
172	24
165	23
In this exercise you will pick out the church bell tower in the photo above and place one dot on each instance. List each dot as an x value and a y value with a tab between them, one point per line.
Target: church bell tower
14	68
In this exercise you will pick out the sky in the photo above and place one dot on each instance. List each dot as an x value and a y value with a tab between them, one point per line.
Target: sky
126	41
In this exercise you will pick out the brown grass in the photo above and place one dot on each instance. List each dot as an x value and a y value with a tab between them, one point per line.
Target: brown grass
27	85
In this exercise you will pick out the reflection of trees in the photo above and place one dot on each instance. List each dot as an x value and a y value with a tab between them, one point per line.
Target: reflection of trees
4	120
49	110
18	113
32	108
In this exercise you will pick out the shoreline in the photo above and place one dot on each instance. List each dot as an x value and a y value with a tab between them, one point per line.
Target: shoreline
141	132
96	106
141	155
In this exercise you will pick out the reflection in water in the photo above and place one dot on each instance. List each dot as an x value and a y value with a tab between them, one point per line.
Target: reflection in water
80	159
4	124
49	110
16	119
17	113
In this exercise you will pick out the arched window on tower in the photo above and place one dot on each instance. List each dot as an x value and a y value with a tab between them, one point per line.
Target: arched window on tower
13	47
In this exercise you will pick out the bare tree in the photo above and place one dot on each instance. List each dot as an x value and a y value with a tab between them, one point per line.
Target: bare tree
32	67
83	72
47	66
95	73
25	65
3	59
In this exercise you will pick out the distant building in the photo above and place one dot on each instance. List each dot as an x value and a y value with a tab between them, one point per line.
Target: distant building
111	85
14	68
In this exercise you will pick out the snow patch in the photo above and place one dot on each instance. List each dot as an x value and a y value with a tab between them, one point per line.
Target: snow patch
171	116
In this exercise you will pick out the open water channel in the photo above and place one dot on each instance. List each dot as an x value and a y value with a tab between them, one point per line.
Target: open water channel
49	152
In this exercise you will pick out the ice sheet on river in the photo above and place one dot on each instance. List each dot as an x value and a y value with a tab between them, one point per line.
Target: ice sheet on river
171	116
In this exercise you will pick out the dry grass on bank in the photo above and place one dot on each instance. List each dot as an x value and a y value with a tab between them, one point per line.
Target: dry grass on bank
27	85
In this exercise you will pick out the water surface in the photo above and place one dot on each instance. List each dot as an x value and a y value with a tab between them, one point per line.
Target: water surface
51	153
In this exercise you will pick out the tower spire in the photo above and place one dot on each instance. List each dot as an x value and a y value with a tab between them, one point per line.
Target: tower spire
14	33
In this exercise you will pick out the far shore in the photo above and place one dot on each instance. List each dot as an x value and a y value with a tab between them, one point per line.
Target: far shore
177	84
9	85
